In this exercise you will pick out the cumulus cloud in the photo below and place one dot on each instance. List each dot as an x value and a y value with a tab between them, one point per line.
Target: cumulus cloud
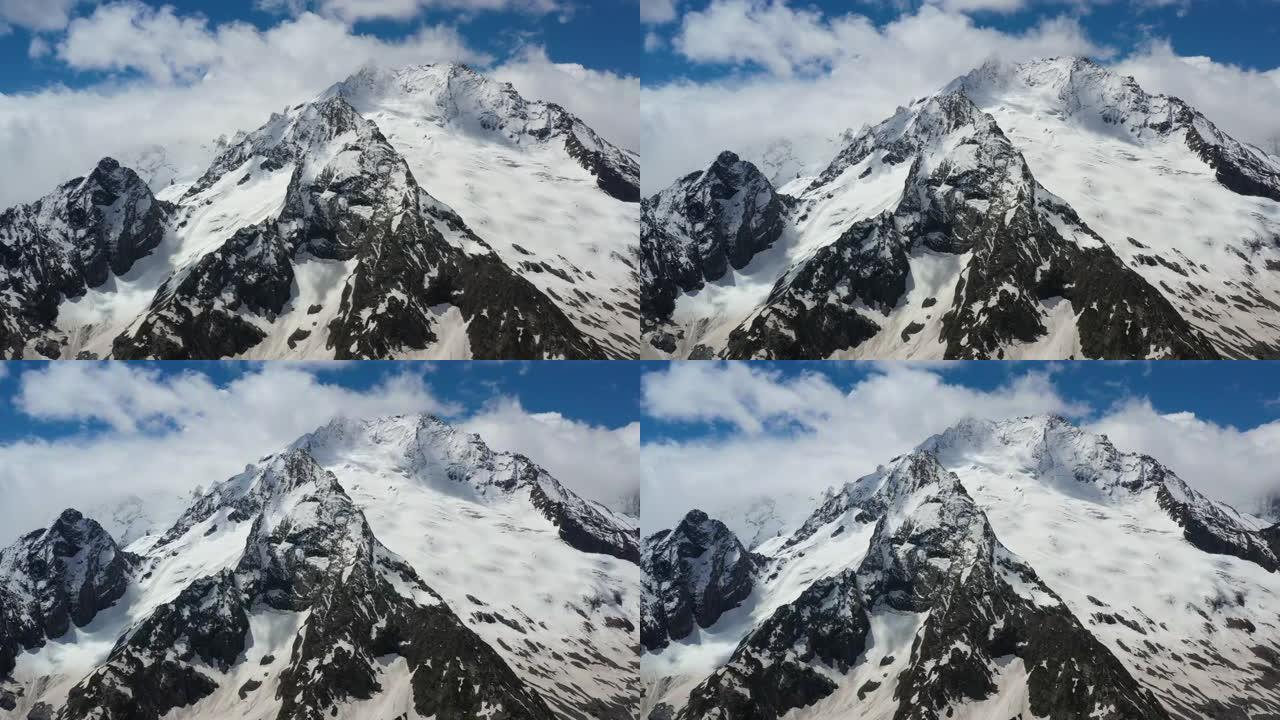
797	73
403	10
216	81
158	436
655	12
793	437
601	463
803	434
178	82
806	76
40	15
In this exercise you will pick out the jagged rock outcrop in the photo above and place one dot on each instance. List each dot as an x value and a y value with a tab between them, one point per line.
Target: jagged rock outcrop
1000	568
696	230
274	590
463	98
56	578
692	575
351	198
430	446
70	241
1059	449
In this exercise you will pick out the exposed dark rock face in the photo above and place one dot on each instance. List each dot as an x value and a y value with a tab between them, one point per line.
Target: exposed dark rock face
309	549
1064	449
1033	272
582	524
772	671
701	226
203	314
932	553
1272	537
1026	247
55	578
72	240
1239	168
617	171
692	575
1212	529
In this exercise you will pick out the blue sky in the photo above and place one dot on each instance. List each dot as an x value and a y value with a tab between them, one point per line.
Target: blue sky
1239	32
1230	394
802	427
601	34
597	393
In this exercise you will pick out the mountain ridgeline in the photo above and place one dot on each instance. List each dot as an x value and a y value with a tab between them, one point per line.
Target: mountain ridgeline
1008	216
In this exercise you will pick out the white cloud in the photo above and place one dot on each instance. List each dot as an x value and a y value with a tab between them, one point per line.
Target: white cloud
40	15
167	434
38	48
600	463
404	10
233	78
608	102
826	74
201	81
356	10
803	434
134	36
196	432
658	11
653	42
797	436
1004	6
834	72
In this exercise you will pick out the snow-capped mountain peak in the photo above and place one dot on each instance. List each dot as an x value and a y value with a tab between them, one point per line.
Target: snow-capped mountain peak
434	453
318	235
405	571
892	250
985	574
457	97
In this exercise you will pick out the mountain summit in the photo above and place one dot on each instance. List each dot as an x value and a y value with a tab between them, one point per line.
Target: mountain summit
427	212
1022	567
1040	210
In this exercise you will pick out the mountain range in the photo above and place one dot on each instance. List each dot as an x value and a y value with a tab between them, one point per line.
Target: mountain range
426	212
385	568
1013	569
1052	209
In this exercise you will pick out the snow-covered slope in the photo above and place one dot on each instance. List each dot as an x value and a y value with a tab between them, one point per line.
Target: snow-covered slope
371	570
1046	210
555	200
1185	205
1001	568
315	236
